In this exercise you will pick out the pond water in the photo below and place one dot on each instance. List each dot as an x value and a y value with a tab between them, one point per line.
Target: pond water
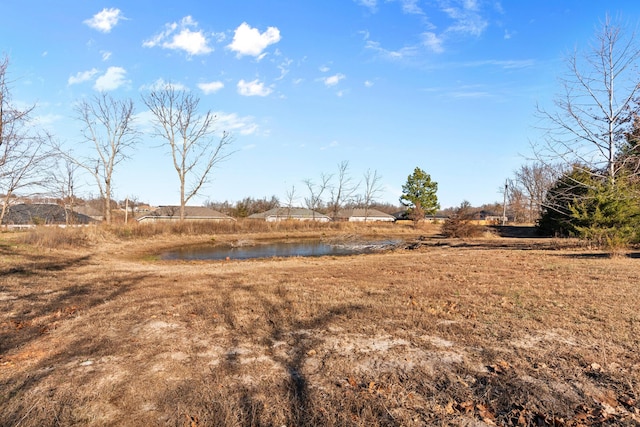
303	248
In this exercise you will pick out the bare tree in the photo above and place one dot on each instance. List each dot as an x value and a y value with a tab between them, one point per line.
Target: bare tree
23	150
314	201
290	198
62	182
530	185
599	99
110	132
191	137
344	190
372	188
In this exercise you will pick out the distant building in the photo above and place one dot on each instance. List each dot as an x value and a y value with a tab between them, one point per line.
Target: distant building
362	215
191	213
33	214
284	214
435	218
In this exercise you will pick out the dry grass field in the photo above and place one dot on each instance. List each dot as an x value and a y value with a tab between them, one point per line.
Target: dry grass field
490	331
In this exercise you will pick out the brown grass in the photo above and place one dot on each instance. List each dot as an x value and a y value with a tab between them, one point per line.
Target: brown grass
499	331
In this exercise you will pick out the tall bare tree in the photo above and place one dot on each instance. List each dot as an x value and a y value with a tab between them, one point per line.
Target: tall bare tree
192	138
592	115
344	189
108	129
290	198
316	191
372	188
23	149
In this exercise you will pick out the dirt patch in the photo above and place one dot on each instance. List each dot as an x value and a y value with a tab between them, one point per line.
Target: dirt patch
520	332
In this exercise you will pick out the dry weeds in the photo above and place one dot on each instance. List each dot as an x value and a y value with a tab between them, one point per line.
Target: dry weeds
520	332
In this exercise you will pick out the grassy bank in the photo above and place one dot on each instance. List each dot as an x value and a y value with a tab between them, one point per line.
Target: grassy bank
520	332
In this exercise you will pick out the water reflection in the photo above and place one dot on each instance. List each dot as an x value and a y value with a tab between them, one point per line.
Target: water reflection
304	248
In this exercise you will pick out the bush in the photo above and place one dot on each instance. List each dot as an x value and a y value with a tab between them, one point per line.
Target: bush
460	224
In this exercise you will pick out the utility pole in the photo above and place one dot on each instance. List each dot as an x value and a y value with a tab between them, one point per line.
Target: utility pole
504	203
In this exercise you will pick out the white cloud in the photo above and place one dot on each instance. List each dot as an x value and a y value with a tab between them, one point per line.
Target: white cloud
392	55
332	144
48	119
111	80
234	124
324	69
161	84
105	55
467	19
503	63
105	20
182	36
145	121
211	87
368	83
371	4
82	76
432	42
253	88
411	7
284	68
333	80
249	41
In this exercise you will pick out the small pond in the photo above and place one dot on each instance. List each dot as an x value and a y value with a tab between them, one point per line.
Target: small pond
302	248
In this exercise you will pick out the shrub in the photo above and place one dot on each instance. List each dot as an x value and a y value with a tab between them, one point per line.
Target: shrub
460	224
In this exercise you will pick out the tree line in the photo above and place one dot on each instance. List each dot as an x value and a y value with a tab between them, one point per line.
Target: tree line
32	160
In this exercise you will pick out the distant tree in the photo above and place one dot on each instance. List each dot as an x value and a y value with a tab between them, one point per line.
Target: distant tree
343	191
224	207
109	130
290	198
530	185
191	137
419	195
23	149
372	188
518	204
314	201
249	206
62	182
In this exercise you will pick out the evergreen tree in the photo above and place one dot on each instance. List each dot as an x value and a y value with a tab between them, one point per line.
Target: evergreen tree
419	195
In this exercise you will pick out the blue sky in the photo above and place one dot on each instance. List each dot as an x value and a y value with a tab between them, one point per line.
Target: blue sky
445	85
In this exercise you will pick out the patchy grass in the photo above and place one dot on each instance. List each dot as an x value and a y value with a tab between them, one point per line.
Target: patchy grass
500	331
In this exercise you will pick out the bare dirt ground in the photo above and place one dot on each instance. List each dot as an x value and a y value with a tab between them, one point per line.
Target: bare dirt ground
494	331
